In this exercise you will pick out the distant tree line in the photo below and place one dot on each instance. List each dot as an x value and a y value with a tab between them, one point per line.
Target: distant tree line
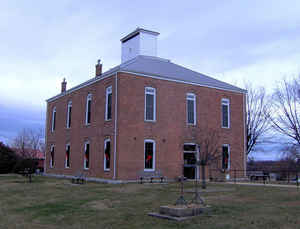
21	153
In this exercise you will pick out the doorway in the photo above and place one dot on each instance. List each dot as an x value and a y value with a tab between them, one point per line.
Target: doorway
190	159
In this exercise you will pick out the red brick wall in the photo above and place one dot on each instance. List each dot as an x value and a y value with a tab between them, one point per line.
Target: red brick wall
170	130
95	133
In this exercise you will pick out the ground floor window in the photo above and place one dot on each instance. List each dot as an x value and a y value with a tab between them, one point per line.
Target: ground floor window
67	162
52	156
107	154
225	157
87	155
149	157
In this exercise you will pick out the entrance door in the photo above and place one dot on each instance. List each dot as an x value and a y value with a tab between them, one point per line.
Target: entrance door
189	158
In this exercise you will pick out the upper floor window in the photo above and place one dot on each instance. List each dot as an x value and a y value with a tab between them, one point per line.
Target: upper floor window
225	113
67	161
225	157
149	155
88	109
53	123
107	154
108	103
191	108
150	104
86	162
69	114
52	156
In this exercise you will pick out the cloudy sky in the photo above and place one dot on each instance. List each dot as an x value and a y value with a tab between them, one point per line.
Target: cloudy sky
43	41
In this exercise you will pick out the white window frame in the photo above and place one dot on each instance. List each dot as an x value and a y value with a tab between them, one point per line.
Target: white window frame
108	92
227	103
53	121
68	114
88	98
150	91
104	161
192	97
154	152
52	148
84	160
66	165
229	155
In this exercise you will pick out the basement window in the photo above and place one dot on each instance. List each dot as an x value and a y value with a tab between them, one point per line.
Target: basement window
107	154
67	161
149	156
150	104
86	162
108	103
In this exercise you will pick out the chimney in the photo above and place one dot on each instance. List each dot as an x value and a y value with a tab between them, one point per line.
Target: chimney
63	86
98	68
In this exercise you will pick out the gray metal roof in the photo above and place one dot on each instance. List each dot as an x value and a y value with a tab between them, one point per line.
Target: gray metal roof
162	69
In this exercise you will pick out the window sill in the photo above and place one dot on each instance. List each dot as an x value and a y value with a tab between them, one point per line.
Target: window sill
106	170
224	127
107	120
86	168
153	121
149	170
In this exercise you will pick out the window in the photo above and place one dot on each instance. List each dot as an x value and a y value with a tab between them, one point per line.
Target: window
86	162
88	109
53	119
225	157
191	108
150	104
149	155
52	156
67	162
107	155
69	114
225	113
108	103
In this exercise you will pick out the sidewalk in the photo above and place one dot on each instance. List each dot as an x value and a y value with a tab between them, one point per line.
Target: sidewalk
267	185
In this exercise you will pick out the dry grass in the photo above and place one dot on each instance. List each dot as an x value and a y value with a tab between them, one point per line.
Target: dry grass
55	203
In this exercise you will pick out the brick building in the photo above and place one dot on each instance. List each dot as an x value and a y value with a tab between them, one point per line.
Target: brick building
142	115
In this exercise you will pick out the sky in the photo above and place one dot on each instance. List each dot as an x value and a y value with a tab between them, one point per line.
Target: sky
42	42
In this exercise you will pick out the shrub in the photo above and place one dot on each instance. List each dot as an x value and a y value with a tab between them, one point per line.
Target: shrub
25	163
8	159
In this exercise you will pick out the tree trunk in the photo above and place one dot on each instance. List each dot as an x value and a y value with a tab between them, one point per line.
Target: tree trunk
203	177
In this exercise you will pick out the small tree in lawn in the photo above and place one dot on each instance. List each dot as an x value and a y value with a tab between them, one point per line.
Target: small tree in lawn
208	143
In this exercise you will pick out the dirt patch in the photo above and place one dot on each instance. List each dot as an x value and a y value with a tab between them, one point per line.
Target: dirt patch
131	188
102	204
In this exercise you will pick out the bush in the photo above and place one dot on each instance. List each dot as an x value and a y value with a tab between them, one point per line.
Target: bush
8	159
26	163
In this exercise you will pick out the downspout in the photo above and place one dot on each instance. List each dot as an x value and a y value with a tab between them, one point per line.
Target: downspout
116	118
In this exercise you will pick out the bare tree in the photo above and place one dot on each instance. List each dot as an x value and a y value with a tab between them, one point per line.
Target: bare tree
257	117
286	109
208	143
28	141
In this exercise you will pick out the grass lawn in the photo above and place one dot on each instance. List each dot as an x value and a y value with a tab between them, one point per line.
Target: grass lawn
56	203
